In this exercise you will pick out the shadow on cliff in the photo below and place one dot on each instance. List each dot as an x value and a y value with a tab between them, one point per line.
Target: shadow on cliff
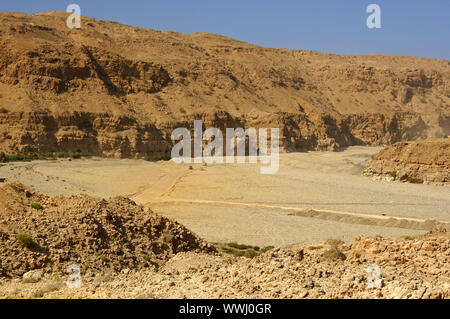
100	71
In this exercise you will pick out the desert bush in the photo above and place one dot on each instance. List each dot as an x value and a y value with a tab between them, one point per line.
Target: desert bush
250	253
26	240
37	206
267	248
394	175
240	246
240	250
234	252
75	155
44	156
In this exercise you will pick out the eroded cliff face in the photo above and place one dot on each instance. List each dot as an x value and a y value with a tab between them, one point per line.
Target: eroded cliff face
121	136
426	161
119	91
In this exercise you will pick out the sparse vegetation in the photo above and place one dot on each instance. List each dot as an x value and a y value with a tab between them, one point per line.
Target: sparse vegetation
104	258
394	175
242	247
44	156
250	253
267	248
37	206
240	250
234	252
315	247
145	257
26	240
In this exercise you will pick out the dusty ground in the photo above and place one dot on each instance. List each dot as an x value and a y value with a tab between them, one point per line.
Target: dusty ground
224	203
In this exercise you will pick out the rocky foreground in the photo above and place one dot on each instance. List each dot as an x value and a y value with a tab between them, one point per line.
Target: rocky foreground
40	232
125	251
421	162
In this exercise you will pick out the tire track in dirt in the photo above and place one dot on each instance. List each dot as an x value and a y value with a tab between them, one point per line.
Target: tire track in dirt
161	189
160	192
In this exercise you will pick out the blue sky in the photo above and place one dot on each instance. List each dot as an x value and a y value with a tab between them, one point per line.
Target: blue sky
414	27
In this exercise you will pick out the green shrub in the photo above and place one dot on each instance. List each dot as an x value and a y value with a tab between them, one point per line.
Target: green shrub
394	175
26	240
240	250
234	252
315	247
37	206
75	155
104	258
250	253
267	248
242	247
44	156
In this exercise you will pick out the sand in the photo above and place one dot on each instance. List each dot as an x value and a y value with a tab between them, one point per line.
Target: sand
234	202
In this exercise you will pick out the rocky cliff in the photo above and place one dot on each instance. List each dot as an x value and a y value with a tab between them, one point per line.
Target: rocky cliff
119	91
426	161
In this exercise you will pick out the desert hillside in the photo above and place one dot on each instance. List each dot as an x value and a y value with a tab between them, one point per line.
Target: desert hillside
426	161
119	91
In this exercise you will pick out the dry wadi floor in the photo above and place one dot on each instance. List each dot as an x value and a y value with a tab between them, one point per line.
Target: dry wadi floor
314	196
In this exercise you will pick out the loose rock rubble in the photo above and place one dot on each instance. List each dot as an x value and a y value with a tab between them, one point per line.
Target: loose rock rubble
94	233
425	161
80	229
